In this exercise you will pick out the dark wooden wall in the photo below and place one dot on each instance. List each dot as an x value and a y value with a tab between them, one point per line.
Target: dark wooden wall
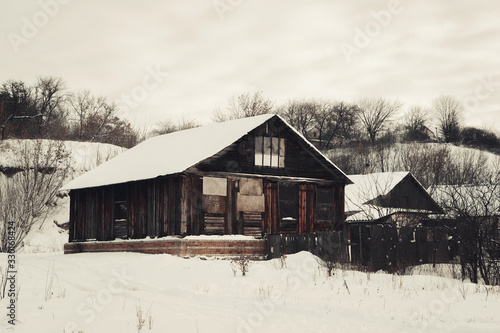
157	207
91	214
177	206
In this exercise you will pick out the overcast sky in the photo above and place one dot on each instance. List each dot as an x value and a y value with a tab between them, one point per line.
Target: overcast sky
174	58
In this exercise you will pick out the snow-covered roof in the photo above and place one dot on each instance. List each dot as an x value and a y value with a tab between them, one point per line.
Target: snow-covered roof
368	187
173	153
360	196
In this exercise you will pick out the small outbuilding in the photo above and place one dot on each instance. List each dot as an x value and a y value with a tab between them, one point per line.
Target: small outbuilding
388	222
385	197
252	176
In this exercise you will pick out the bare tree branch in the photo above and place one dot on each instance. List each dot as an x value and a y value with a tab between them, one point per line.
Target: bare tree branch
244	105
375	114
449	114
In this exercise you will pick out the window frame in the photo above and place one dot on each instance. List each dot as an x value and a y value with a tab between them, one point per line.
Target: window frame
269	151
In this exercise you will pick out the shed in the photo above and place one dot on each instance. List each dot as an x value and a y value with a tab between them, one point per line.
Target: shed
380	197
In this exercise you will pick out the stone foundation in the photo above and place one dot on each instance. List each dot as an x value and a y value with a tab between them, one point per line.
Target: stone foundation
252	248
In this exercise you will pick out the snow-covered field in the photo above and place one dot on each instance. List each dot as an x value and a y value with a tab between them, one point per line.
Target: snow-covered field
114	292
130	292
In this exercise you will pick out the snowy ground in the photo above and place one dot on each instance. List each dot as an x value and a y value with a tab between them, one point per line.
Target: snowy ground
105	292
114	292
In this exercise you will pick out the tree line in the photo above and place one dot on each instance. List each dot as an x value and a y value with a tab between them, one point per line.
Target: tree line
369	120
48	110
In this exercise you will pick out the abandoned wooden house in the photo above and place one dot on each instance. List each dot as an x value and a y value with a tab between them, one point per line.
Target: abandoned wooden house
251	176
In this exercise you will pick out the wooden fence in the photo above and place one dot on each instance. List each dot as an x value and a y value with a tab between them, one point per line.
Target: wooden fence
390	248
375	247
328	245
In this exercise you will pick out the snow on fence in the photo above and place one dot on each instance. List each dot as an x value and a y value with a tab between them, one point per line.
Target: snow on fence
328	245
380	247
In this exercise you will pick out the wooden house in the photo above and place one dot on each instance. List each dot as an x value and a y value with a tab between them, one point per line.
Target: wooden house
251	176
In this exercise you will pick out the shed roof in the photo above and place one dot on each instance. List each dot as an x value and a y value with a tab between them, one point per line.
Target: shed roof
376	195
174	153
368	187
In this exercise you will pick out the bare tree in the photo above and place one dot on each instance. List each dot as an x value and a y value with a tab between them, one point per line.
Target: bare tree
301	114
415	123
17	110
375	114
164	127
93	114
449	114
29	196
473	215
350	160
429	164
49	97
169	126
335	122
244	105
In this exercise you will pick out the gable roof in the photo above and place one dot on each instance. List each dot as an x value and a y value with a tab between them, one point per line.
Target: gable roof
368	187
376	195
175	152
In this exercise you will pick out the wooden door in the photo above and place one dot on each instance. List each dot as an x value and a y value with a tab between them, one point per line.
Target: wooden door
271	224
307	208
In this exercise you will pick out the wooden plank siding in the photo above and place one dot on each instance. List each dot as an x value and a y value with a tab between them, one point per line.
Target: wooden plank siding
81	216
72	216
105	213
231	209
177	206
196	211
339	201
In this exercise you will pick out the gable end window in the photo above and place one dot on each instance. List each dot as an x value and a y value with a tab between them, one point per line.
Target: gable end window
269	152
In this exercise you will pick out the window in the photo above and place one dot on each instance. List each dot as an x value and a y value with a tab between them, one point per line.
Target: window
324	205
269	152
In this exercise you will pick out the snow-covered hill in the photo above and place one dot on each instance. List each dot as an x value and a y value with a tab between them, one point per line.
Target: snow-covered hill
83	155
422	159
